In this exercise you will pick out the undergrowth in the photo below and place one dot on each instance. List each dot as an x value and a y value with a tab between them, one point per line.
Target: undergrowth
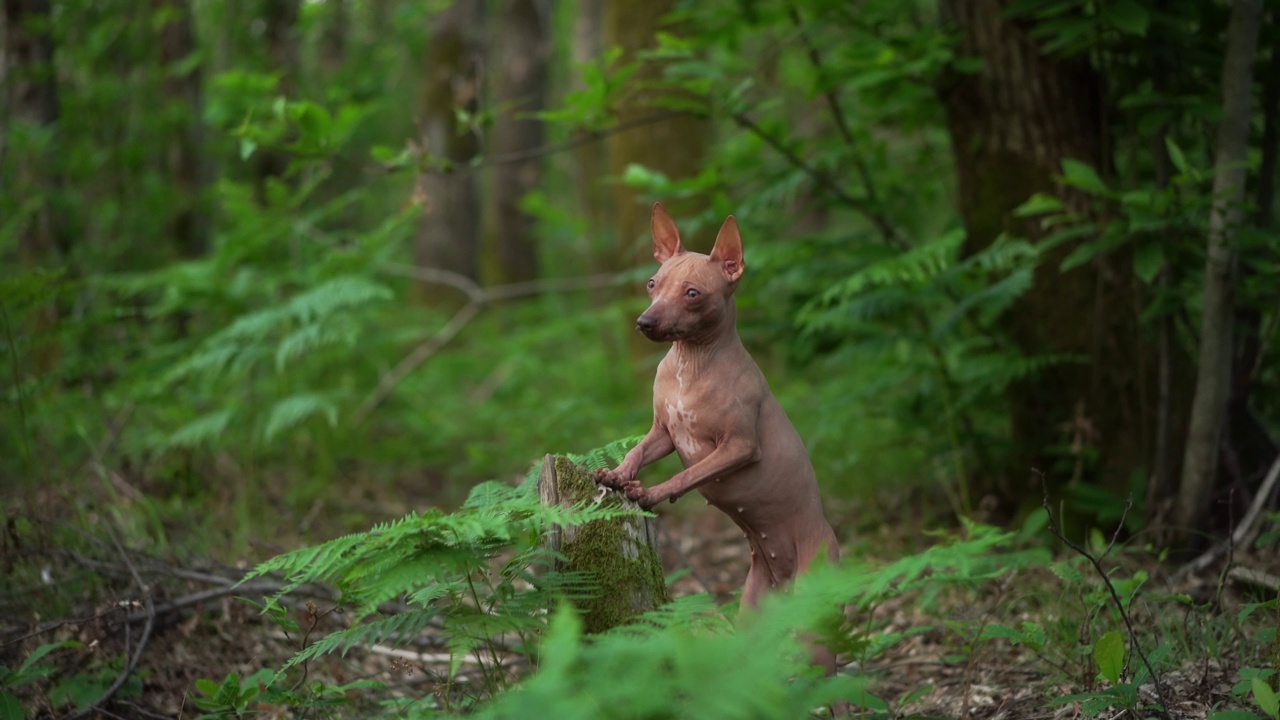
480	579
478	585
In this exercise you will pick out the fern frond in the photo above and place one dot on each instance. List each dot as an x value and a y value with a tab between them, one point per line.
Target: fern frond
396	629
338	330
340	292
607	456
870	305
989	301
210	360
199	431
294	409
915	268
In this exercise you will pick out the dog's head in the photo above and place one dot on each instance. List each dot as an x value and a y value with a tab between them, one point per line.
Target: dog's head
691	292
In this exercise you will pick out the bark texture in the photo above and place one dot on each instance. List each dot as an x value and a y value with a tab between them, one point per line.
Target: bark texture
185	161
448	238
29	117
1213	381
1011	125
674	146
522	56
621	555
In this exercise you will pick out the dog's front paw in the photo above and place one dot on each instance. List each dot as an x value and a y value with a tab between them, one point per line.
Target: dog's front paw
616	478
638	494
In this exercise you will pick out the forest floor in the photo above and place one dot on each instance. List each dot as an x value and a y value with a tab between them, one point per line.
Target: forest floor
200	628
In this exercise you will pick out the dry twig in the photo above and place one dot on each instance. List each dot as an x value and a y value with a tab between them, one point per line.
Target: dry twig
132	658
1241	533
478	298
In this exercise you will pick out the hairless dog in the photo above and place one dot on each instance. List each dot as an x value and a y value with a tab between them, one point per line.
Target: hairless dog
713	407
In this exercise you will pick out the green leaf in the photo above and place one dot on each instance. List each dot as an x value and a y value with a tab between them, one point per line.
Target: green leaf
9	708
562	642
200	431
1147	260
293	410
247	146
1265	697
229	692
1083	176
1109	653
995	630
1176	155
1129	16
1039	204
41	651
1234	715
207	686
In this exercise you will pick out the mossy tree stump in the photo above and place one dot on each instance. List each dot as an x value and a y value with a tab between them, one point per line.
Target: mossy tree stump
620	554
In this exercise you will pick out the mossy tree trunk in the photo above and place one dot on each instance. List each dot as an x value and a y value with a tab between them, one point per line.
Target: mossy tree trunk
620	554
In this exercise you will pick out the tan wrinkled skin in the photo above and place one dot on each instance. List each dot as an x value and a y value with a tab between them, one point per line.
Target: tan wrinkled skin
712	406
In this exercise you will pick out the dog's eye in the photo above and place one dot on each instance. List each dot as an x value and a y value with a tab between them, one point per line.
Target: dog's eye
651	283
691	292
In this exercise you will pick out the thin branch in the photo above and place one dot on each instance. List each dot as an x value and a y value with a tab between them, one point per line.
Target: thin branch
478	299
131	661
837	114
1106	579
584	139
486	161
823	181
1241	532
414	359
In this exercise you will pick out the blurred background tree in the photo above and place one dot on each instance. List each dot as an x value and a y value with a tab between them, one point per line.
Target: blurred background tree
236	237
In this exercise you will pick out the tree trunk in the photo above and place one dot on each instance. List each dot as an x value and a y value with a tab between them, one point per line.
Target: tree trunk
673	146
1011	125
448	237
333	41
588	166
1213	382
1247	442
189	224
523	53
29	119
280	20
619	555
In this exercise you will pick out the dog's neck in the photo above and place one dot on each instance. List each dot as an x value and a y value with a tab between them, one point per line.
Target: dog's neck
701	351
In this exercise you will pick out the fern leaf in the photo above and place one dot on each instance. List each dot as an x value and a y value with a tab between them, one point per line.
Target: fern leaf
199	431
916	267
314	336
291	411
397	629
340	292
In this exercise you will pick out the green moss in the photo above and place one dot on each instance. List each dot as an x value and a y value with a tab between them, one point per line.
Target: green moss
625	585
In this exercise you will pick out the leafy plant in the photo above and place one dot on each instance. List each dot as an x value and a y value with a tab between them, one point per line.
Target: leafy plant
34	668
439	566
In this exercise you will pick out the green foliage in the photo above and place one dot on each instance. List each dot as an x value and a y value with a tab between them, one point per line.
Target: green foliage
200	341
682	660
33	669
439	565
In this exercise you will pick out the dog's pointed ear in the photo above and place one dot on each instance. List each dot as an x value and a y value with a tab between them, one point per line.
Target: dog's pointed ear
728	250
666	239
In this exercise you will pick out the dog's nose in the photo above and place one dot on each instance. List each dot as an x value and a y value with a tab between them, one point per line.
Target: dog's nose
645	324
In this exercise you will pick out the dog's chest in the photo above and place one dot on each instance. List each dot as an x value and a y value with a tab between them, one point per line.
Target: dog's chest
691	417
